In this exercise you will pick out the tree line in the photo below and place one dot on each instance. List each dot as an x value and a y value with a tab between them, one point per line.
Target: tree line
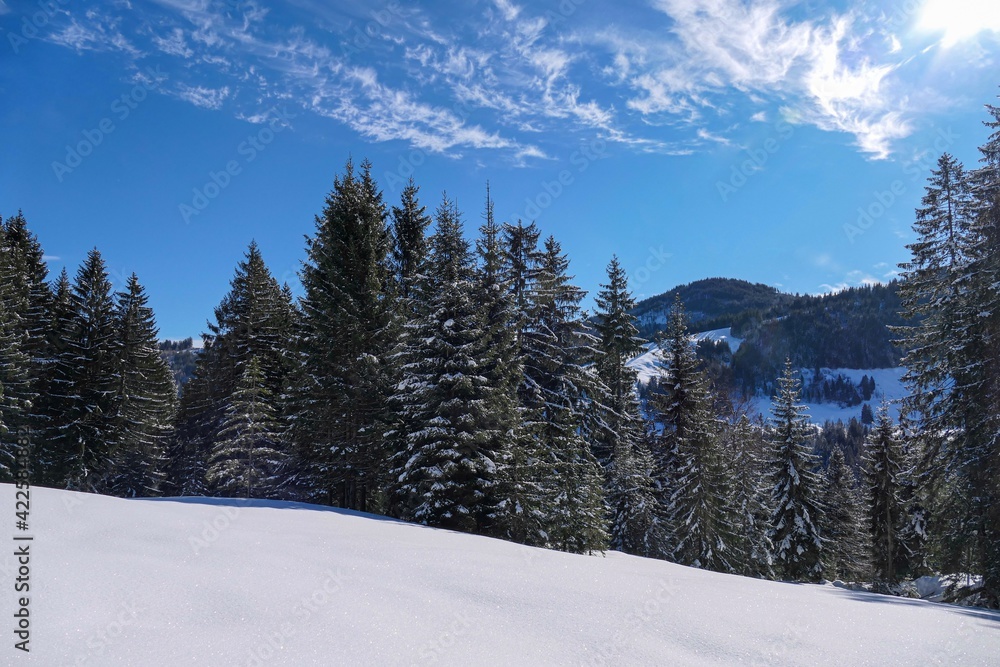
460	384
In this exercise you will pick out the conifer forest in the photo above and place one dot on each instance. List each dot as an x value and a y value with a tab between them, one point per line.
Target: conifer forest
439	366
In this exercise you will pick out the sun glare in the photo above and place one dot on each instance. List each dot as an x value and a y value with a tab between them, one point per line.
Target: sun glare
959	19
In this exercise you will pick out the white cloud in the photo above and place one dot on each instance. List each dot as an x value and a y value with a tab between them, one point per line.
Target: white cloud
174	44
200	96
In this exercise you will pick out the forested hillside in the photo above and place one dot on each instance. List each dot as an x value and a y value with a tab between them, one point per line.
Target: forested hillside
848	329
451	377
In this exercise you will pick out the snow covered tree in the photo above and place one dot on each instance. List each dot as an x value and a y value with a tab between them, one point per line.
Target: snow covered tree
256	318
25	298
15	390
846	552
447	474
952	357
931	293
499	363
93	378
637	525
52	454
249	450
409	241
744	456
558	357
144	400
884	473
695	485
348	333
522	475
798	547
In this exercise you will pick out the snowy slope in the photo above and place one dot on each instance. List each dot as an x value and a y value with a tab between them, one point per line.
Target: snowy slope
646	364
888	386
203	582
719	335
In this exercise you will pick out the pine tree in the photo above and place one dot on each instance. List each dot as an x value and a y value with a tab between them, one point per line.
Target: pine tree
92	372
953	363
348	332
499	363
697	504
446	476
53	455
145	398
248	451
636	522
15	391
931	293
522	474
798	547
409	241
558	359
884	460
255	319
978	462
744	455
846	551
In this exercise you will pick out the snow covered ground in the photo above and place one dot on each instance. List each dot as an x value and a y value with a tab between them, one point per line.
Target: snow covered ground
888	386
215	582
888	381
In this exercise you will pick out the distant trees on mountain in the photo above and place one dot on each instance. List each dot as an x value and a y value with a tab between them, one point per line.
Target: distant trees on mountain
458	383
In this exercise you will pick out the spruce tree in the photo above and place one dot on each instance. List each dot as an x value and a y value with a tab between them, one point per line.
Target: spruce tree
744	455
523	477
248	450
93	378
798	547
846	552
558	358
15	391
696	493
499	363
144	398
256	318
409	241
978	462
53	454
636	520
884	472
446	476
348	332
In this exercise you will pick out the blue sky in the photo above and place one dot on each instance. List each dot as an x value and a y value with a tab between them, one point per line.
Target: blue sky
775	141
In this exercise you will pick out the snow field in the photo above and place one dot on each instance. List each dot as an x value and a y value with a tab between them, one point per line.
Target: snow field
221	582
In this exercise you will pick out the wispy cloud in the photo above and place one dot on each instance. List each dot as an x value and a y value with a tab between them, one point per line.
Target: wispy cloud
200	96
514	78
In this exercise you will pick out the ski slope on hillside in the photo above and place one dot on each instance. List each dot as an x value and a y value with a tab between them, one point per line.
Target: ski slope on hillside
218	582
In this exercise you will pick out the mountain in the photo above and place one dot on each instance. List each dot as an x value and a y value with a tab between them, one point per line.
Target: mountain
712	303
217	581
848	329
180	356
